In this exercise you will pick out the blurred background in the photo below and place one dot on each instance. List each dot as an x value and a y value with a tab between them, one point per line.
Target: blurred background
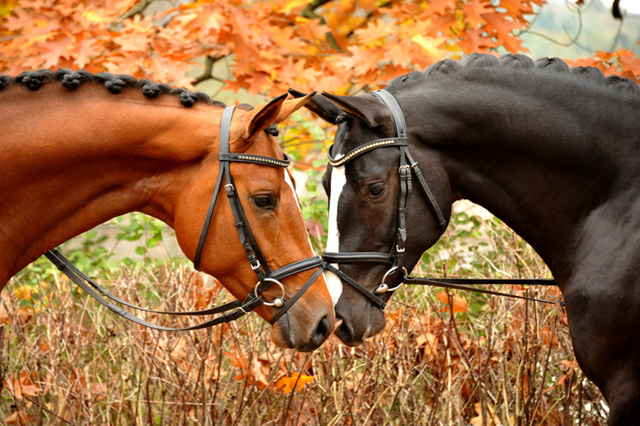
444	359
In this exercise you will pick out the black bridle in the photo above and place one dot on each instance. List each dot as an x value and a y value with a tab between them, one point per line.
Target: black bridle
265	277
395	258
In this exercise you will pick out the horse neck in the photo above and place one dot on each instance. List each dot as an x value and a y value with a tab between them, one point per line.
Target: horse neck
73	160
541	156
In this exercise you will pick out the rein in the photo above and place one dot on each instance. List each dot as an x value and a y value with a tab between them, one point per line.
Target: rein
407	168
266	278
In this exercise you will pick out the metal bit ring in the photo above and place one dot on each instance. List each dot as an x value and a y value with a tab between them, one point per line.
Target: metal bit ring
278	302
384	287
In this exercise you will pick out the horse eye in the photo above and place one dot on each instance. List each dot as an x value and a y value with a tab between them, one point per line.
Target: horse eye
264	202
376	190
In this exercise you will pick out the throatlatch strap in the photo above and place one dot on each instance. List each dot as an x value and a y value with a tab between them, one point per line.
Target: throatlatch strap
431	200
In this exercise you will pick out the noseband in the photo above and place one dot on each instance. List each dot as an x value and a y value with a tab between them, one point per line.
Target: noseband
407	168
265	277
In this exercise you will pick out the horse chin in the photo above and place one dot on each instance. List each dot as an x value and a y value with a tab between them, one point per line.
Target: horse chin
352	333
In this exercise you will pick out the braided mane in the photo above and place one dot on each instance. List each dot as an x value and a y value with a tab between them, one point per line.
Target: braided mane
33	80
485	62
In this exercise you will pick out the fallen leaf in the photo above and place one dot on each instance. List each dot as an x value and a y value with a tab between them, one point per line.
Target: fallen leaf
287	383
458	303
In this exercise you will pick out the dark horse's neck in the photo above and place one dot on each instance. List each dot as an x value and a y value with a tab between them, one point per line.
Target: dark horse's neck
549	151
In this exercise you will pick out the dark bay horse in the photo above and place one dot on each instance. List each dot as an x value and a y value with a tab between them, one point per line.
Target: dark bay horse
552	151
78	149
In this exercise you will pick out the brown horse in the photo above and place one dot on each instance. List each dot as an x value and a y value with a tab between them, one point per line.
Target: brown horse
78	149
553	151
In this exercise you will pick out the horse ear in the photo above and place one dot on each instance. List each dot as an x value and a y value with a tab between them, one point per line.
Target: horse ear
263	116
289	107
320	106
366	109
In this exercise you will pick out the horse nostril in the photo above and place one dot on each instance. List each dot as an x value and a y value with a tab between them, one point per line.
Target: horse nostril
322	331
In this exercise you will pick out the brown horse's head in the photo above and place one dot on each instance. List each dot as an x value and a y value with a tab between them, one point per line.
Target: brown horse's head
268	199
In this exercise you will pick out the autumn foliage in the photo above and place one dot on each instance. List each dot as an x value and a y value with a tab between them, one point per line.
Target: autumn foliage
267	45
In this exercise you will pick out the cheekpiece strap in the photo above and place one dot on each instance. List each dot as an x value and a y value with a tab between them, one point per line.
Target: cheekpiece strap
225	125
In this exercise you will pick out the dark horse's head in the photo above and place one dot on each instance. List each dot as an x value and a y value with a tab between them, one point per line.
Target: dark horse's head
364	196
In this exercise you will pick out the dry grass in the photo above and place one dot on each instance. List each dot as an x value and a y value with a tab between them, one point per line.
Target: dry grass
494	361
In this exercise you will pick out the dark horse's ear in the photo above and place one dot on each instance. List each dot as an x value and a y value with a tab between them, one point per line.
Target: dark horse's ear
263	116
319	105
367	109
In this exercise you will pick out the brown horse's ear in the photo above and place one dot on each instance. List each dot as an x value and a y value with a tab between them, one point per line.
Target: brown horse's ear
366	109
263	116
289	107
320	106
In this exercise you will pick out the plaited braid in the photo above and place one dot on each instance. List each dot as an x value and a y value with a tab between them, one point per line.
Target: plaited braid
71	79
153	90
5	81
186	98
33	80
115	83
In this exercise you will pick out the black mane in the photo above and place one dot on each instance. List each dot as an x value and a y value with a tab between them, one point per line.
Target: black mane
475	63
33	80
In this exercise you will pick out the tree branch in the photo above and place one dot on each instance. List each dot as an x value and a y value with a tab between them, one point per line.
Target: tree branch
619	30
135	10
208	70
309	12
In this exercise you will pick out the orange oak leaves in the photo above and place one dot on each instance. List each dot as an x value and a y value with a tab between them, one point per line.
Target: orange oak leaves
266	45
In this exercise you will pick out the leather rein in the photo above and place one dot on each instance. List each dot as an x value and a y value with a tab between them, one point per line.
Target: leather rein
265	277
407	168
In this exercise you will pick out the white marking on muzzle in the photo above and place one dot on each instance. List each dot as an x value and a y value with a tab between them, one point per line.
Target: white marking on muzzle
338	181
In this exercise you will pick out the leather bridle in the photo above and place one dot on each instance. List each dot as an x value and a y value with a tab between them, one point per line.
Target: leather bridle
265	277
395	258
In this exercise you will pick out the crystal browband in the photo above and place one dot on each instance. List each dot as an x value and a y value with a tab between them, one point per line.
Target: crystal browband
257	159
379	143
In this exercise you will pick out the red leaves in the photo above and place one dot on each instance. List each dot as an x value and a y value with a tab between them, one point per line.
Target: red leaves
296	381
273	46
258	370
623	62
22	386
267	45
454	303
